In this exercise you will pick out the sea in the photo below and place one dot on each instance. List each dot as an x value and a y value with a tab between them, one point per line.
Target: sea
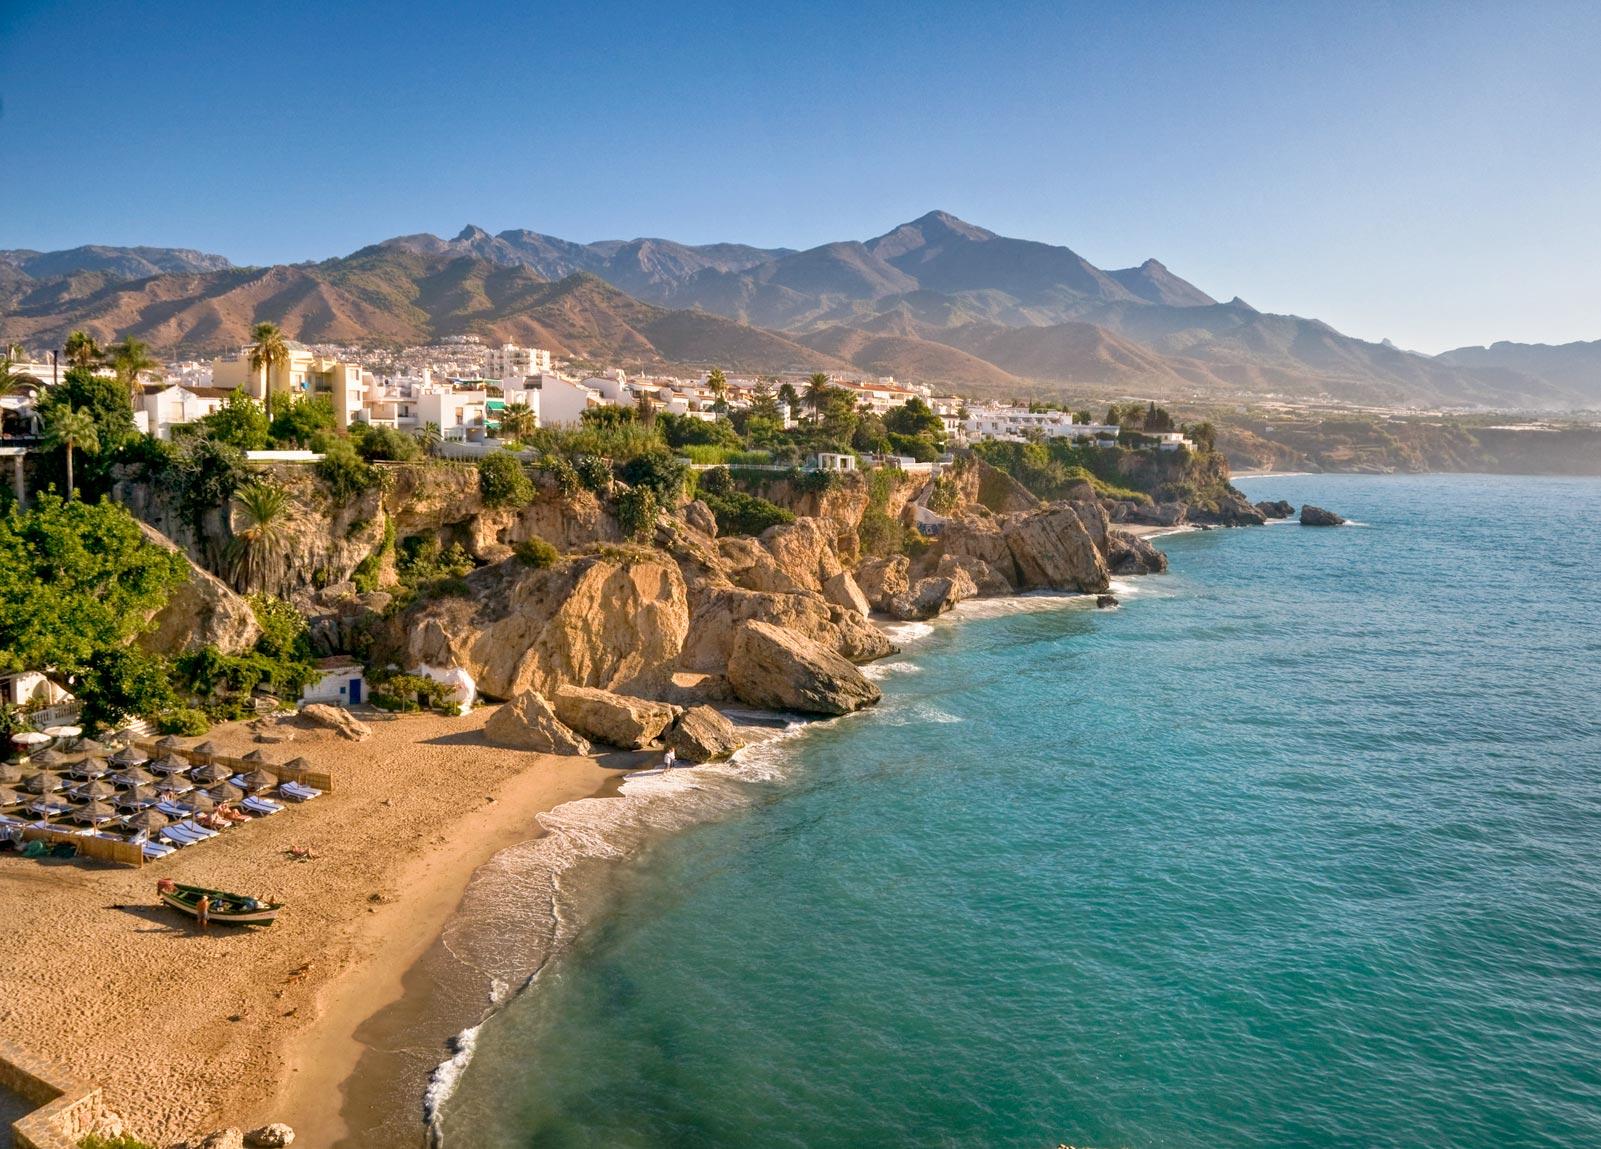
1300	845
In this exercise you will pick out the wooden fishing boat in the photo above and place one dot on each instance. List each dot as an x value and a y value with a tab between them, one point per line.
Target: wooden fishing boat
230	909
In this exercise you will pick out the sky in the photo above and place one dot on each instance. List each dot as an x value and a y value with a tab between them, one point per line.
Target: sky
1430	173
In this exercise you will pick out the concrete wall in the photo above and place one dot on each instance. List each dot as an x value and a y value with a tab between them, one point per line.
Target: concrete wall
68	1109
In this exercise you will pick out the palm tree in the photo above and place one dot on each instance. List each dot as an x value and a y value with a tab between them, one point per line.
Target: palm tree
82	351
259	535
12	380
516	421
130	358
268	350
817	390
717	383
74	430
430	437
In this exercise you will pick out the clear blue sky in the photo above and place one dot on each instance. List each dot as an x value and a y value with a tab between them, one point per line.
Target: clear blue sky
1431	173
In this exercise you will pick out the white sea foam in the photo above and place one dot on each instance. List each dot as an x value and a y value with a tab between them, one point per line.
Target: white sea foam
904	634
878	670
520	909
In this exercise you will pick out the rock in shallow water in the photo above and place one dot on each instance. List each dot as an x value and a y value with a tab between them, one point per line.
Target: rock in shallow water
701	734
1317	517
779	669
1280	509
273	1136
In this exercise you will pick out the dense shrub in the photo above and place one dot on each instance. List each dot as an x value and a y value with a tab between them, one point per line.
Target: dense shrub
385	444
409	693
537	553
183	720
739	513
593	472
658	471
717	481
348	476
636	511
503	481
562	473
306	423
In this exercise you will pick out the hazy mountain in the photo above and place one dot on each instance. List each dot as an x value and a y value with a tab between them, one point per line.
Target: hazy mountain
116	262
937	300
1573	366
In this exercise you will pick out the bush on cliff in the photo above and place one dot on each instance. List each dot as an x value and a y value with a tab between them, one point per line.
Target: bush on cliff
348	476
636	512
503	482
659	471
593	472
537	553
562	473
738	513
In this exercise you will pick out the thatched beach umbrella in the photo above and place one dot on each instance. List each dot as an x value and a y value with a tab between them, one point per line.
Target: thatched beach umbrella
47	804
256	781
95	791
210	773
255	756
136	798
129	756
225	792
149	821
167	745
88	768
88	746
10	773
11	796
93	813
43	782
133	776
169	764
199	802
48	759
206	751
174	786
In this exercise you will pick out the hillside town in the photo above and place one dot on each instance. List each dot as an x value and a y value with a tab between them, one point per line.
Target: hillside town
462	387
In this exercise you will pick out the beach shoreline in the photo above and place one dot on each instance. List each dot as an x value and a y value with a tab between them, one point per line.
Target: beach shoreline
242	1027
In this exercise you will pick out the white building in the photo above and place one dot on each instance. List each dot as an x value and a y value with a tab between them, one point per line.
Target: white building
562	402
509	359
343	683
460	415
1003	421
163	408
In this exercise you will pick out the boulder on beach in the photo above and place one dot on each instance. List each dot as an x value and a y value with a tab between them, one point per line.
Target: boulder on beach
527	722
321	716
931	597
842	590
1317	517
779	669
1276	509
701	734
273	1136
615	719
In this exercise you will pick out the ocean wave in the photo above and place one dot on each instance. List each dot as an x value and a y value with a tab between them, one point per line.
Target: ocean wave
445	1077
877	670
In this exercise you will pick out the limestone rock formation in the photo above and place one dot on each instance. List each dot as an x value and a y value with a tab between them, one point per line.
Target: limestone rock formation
719	611
701	734
617	623
842	590
782	670
883	580
931	597
698	515
1128	554
987	580
202	611
1054	550
615	719
321	716
1279	509
1317	517
527	722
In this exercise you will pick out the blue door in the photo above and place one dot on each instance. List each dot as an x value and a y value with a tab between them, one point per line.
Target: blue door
355	691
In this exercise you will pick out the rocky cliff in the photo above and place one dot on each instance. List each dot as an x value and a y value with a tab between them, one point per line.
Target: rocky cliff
682	615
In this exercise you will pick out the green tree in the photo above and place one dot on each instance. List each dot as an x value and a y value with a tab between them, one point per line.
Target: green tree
661	471
73	430
12	380
517	421
637	511
78	581
430	437
258	533
240	422
645	408
817	389
717	383
82	351
130	359
269	351
306	423
1083	417
915	417
790	398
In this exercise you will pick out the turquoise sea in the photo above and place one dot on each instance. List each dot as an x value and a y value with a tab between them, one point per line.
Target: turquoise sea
1301	846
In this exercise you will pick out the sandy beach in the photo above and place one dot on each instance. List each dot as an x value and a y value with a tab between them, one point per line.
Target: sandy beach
188	1032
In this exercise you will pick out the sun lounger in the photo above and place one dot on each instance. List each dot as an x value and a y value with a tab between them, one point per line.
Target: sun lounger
155	850
261	807
197	828
178	836
298	792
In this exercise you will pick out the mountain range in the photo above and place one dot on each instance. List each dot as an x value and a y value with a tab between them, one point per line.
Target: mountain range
937	300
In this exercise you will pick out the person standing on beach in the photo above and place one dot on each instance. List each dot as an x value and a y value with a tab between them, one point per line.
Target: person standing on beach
203	912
